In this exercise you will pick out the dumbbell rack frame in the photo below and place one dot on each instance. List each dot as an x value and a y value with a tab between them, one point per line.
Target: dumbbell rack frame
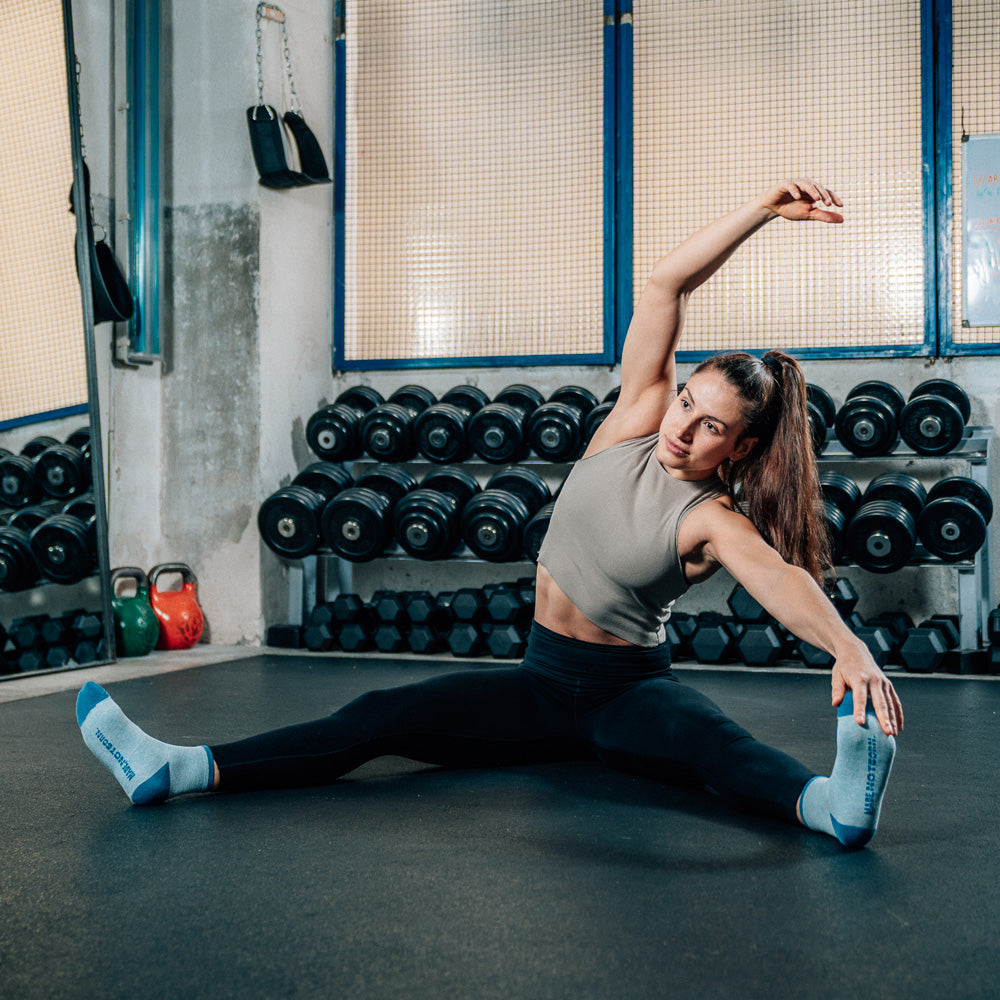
974	597
323	574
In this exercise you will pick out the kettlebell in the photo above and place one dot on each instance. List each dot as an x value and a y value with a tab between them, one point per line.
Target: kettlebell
180	617
136	624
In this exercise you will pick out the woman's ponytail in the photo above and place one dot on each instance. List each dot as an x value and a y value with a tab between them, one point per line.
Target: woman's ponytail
777	484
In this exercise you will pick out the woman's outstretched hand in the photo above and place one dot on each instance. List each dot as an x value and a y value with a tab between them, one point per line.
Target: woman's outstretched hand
802	200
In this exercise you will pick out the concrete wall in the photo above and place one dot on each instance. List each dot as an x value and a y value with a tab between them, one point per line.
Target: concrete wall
195	444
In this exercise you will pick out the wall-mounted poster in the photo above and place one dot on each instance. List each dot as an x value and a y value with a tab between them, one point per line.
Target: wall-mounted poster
981	230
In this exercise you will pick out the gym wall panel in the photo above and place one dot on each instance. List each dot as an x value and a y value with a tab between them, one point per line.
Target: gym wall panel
42	354
474	182
975	110
730	97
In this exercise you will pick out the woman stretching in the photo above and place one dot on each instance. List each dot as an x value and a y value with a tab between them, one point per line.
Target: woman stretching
721	474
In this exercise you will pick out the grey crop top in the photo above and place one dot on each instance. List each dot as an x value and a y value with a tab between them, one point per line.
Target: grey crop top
611	544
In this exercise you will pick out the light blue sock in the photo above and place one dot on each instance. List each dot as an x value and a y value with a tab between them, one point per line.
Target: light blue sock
149	771
846	805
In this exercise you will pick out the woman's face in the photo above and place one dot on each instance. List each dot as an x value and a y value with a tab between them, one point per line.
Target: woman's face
702	427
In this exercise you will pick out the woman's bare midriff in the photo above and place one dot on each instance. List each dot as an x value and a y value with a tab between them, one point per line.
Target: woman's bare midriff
556	612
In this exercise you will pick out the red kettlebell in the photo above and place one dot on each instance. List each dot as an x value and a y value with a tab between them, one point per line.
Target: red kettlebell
180	617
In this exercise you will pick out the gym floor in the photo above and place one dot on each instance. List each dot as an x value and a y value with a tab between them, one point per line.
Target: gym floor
562	881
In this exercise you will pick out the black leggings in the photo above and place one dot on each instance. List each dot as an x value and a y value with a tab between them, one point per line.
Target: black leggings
568	700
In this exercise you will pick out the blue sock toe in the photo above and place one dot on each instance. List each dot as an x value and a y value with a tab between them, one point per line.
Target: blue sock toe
91	694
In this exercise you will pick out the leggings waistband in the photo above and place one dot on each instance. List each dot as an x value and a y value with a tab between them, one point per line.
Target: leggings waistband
593	666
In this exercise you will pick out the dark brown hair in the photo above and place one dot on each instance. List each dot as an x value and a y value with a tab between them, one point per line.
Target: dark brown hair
776	484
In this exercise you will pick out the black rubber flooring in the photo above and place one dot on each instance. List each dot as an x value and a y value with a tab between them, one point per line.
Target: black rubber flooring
562	881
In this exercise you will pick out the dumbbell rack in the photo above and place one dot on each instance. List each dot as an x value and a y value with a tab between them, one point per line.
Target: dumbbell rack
974	598
322	575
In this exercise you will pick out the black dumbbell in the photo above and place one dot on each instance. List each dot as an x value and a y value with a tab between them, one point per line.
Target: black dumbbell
357	522
467	639
284	636
555	430
80	438
762	644
679	628
812	656
18	487
879	640
468	604
535	529
821	412
63	549
746	608
493	521
37	445
952	523
355	637
882	533
594	419
320	635
61	471
508	605
387	431
497	433
898	623
426	522
289	519
25	632
507	641
425	639
924	649
934	418
715	638
867	423
841	498
334	432
18	569
29	518
87	625
441	429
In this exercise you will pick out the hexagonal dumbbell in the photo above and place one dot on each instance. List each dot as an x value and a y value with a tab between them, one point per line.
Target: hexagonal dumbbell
507	641
715	638
466	638
507	605
679	628
746	608
925	649
761	644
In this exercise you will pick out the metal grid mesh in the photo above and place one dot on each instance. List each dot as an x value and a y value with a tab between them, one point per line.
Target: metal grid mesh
41	316
730	97
474	180
975	110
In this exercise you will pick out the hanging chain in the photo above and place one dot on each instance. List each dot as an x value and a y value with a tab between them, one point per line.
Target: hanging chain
83	153
274	13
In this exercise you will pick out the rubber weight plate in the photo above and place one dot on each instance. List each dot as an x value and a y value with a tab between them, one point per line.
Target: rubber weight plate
897	487
884	391
61	471
413	397
967	489
334	433
842	491
357	523
37	445
18	570
362	398
455	481
389	480
62	549
933	421
387	432
466	397
947	389
951	528
18	487
881	536
493	523
823	401
595	418
289	521
866	425
524	483
324	478
535	529
525	398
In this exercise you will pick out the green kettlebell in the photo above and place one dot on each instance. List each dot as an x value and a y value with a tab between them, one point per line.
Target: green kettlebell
136	625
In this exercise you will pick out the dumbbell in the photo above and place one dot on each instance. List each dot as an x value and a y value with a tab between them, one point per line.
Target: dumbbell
934	418
289	519
745	607
64	548
867	423
429	623
952	523
821	413
509	605
494	520
467	639
883	531
18	487
387	431
679	628
925	648
507	641
841	498
535	529
61	471
497	432
357	522
764	643
441	429
884	634
594	419
18	569
555	430
715	638
29	518
334	432
426	521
